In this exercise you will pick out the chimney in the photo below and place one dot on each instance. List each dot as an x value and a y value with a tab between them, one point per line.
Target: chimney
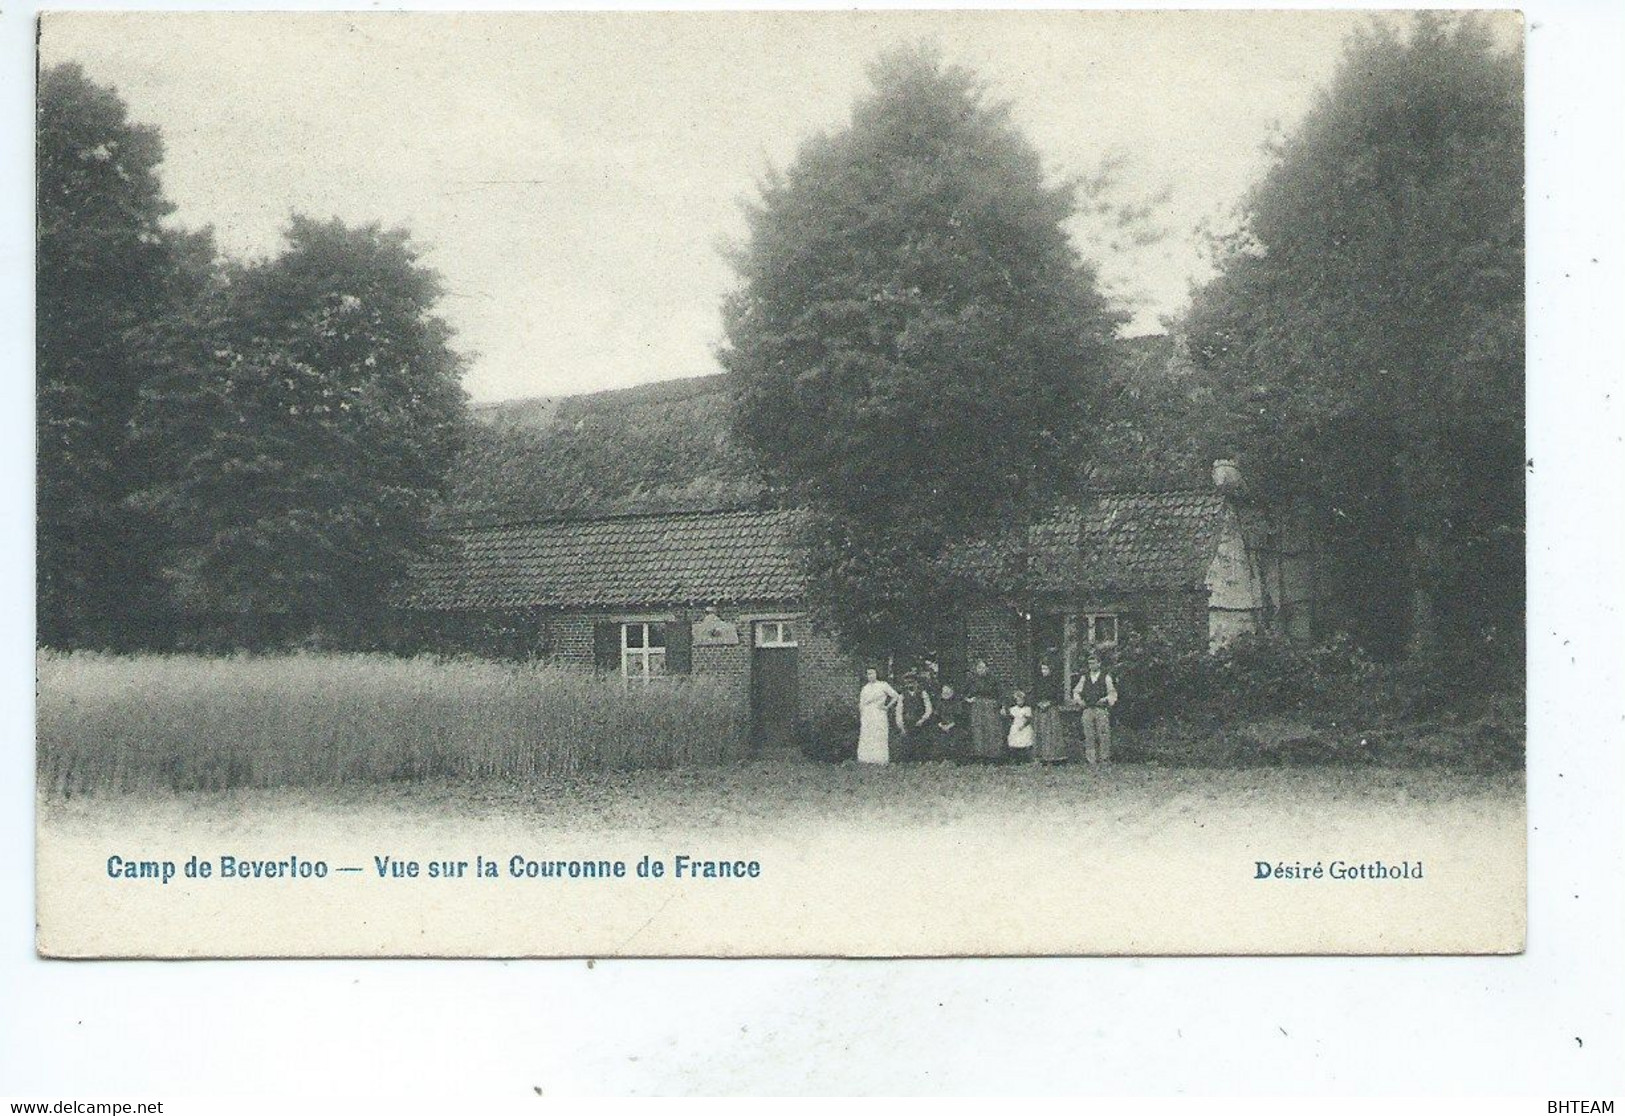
1227	477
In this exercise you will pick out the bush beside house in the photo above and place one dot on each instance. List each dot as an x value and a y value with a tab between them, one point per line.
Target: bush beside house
1263	699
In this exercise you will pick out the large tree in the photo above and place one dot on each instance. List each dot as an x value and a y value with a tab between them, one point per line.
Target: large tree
915	344
1366	331
110	274
303	430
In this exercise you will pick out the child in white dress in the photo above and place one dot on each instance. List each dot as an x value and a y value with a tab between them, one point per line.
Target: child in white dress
1021	729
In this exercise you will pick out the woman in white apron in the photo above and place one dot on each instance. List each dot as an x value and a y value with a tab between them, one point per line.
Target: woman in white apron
875	701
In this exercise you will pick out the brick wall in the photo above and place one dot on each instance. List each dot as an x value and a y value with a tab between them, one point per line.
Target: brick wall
994	632
1179	618
997	633
513	634
824	675
570	637
729	664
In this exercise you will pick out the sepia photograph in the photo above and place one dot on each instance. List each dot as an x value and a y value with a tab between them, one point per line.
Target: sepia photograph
780	484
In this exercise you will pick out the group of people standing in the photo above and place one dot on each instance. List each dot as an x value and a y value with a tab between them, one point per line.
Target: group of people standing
929	719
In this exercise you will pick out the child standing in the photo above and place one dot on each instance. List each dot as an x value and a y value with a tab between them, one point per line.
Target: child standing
1021	729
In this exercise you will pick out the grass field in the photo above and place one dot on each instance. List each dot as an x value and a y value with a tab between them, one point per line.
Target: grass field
133	723
786	795
178	722
349	759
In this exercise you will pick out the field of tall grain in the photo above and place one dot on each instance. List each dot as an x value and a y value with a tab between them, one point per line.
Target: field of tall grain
179	722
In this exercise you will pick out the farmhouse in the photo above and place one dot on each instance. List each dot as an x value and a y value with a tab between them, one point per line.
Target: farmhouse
719	591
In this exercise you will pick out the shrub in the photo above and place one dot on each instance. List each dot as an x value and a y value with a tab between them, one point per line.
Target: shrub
1468	678
1265	676
187	722
829	735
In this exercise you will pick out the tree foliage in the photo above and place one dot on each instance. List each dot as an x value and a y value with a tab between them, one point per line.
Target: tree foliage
914	346
1157	418
237	453
302	430
1365	334
109	273
657	447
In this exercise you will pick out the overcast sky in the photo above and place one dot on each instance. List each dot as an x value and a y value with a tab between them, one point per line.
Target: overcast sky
572	176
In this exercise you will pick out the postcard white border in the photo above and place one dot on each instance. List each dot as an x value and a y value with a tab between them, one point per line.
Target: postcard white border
1532	1024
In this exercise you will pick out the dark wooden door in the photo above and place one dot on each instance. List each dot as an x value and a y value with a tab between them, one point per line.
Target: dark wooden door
1047	634
773	687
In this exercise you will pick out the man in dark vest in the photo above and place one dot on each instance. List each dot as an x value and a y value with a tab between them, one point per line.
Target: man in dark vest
1096	693
913	715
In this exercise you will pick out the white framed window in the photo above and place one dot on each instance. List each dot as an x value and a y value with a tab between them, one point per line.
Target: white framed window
643	651
775	633
1096	629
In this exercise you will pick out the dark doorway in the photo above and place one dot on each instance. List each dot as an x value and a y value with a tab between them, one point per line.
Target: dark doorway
953	661
773	703
1047	643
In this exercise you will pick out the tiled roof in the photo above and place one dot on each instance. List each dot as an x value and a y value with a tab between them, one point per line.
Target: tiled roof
1110	541
618	561
1126	540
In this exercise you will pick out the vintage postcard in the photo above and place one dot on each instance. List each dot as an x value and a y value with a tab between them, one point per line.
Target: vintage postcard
780	484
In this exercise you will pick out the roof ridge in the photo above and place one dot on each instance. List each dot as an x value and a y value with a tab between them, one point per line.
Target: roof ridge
703	383
486	521
514	517
1181	488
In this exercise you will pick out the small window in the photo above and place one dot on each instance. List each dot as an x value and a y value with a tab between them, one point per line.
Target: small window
775	633
643	651
1097	629
1105	626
